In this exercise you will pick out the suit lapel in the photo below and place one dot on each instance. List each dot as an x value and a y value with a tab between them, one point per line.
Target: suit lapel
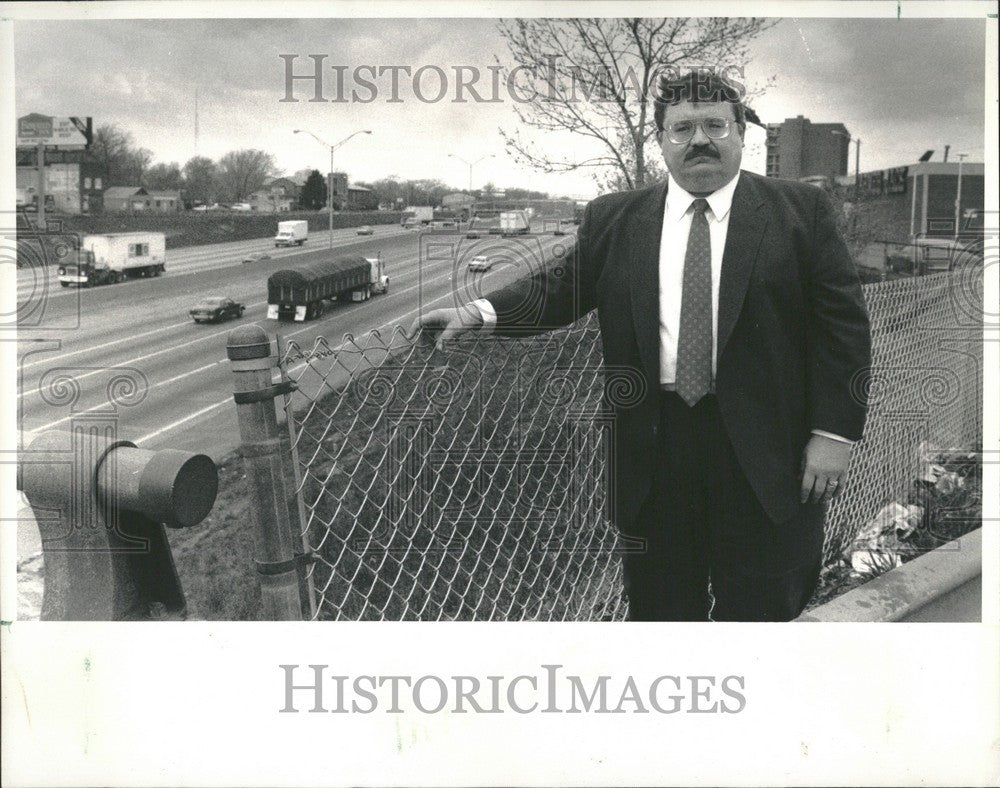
644	278
747	223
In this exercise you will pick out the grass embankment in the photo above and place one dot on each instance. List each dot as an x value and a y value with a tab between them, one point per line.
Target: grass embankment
210	227
470	485
463	485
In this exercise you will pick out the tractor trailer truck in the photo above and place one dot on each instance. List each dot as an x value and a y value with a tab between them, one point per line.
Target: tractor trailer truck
114	257
300	293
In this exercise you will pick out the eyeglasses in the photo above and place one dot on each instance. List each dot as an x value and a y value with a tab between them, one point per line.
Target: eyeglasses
683	130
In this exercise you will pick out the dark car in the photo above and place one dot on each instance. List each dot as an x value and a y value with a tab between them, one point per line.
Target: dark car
257	257
217	309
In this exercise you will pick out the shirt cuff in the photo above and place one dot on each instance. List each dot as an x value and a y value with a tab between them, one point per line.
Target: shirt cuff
831	436
489	316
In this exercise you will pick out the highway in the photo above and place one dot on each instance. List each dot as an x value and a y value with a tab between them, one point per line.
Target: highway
171	377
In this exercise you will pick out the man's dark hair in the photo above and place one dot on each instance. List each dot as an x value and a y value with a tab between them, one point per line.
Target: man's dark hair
697	86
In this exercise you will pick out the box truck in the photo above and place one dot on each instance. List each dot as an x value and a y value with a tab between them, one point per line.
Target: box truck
293	233
417	216
299	293
113	257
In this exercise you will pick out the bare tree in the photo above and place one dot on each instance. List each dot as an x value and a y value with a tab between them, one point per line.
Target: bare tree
242	172
122	161
201	179
596	78
163	177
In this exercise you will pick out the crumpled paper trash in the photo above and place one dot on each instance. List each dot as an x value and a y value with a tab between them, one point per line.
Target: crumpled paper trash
865	562
894	519
875	550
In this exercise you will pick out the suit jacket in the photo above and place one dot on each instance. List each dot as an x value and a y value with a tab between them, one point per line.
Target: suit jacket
793	345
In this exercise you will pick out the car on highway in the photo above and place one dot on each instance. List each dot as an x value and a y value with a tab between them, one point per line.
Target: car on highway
256	257
480	263
365	230
215	309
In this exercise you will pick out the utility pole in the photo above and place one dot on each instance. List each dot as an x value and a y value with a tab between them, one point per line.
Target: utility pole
196	121
41	186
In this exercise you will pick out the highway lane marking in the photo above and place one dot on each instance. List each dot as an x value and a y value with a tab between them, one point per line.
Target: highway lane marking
157	352
195	265
210	336
119	341
388	325
104	405
136	358
130	338
187	418
394	321
181	376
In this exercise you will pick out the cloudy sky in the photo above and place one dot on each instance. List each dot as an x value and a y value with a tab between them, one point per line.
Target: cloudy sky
902	86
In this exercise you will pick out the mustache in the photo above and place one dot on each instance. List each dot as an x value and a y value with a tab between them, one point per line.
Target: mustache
694	153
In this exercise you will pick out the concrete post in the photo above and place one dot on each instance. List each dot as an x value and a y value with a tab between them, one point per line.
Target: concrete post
249	351
106	552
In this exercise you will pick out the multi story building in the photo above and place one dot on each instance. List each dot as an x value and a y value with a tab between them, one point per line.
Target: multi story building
799	148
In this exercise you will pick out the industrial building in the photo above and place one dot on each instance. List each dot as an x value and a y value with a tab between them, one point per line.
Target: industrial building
920	199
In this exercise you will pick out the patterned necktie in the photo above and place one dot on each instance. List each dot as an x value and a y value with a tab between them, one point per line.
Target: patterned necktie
694	340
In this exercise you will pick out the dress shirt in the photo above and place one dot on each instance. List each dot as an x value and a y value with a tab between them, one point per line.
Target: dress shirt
677	214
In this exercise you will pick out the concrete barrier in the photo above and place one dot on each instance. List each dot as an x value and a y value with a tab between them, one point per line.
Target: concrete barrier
944	585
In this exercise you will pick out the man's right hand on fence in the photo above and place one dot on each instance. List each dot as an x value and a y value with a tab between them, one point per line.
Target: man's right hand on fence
443	325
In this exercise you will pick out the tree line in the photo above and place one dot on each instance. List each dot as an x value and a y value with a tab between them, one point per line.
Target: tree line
598	78
238	174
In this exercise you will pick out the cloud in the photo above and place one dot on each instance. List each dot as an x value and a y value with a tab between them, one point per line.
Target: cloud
901	86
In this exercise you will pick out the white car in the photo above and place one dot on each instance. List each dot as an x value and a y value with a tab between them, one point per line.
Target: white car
480	263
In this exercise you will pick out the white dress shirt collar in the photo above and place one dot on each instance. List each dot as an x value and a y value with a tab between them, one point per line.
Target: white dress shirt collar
679	200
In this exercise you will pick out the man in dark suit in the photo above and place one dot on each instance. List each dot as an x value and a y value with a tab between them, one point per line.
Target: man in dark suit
735	299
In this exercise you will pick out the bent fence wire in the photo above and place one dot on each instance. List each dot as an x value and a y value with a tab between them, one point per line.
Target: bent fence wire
471	484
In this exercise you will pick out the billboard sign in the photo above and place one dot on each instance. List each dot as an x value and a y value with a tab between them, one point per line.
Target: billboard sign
71	132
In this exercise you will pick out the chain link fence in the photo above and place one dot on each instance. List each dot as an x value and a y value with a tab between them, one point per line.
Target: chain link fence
472	484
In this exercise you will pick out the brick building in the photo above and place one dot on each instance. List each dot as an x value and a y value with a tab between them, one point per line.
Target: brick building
73	180
799	148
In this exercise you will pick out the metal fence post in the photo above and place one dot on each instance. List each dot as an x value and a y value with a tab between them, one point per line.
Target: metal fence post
300	509
277	562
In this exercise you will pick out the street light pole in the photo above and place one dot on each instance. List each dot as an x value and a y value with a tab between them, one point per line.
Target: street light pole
329	187
958	193
857	157
857	163
470	165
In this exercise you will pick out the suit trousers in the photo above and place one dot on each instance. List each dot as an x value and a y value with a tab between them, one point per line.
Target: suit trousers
702	527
